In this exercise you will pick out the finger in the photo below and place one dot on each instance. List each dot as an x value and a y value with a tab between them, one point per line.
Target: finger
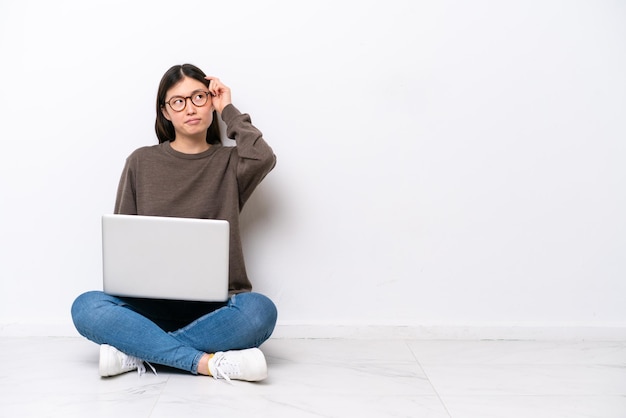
216	87
213	81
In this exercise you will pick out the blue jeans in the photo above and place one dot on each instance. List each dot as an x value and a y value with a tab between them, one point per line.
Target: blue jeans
174	333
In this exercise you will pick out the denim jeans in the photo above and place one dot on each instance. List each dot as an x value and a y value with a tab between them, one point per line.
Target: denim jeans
174	333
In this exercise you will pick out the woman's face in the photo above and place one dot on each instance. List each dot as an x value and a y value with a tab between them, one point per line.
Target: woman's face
192	120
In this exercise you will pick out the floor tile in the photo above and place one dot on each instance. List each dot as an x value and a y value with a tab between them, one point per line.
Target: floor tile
537	380
520	352
537	406
58	377
337	351
276	405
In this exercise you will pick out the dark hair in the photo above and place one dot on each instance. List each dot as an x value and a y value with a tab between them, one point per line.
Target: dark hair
163	127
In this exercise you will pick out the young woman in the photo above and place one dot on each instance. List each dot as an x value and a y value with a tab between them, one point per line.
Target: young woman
189	174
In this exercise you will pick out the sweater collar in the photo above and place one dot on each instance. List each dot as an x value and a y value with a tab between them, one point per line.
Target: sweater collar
167	147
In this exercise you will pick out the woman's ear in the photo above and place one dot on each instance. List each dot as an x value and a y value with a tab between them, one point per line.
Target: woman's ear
165	113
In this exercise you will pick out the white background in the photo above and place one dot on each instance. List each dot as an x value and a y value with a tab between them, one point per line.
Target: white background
453	163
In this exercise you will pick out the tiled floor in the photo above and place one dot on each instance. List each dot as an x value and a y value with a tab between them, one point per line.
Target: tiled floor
57	377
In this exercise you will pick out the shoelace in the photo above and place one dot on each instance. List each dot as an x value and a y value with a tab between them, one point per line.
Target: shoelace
223	368
132	362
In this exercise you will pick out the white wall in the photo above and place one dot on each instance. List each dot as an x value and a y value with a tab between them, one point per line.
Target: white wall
440	163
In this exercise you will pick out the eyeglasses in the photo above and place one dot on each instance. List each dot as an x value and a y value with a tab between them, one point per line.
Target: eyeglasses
198	98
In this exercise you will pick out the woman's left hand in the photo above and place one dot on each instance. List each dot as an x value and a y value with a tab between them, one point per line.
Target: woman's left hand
220	93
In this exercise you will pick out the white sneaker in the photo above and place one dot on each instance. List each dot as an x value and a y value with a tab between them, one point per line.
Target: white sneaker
247	365
114	362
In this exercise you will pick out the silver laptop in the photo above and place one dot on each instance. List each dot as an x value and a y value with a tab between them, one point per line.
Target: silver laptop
165	258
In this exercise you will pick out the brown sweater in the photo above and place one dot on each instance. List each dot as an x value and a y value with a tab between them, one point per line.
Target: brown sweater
215	184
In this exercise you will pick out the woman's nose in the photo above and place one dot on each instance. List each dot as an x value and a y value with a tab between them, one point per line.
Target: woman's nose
189	106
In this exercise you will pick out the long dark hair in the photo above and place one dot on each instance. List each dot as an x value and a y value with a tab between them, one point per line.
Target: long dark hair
163	127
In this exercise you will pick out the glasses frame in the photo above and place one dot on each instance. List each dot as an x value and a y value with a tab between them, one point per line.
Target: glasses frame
208	95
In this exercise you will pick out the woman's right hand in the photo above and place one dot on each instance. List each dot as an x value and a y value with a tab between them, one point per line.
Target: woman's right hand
220	94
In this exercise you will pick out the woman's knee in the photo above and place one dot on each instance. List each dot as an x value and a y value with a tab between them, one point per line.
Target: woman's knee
85	307
84	302
259	309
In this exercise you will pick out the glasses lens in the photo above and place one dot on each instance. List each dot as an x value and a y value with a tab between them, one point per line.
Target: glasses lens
199	98
177	103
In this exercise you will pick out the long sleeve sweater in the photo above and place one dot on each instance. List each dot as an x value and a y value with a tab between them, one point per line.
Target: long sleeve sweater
215	184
